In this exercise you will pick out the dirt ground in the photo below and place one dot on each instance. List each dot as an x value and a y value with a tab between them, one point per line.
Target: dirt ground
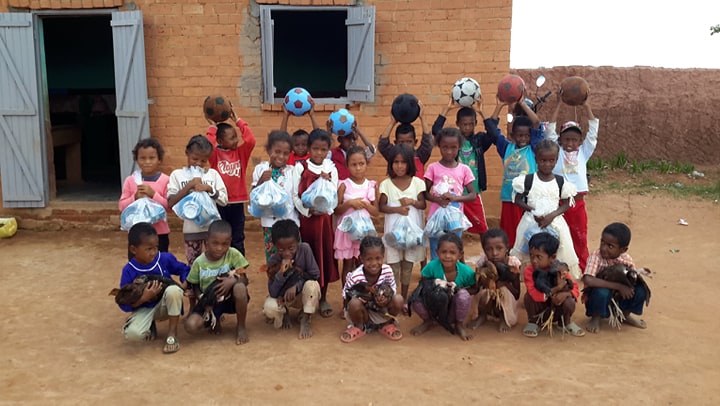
61	340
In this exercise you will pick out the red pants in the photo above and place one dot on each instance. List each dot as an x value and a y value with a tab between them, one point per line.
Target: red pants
509	219
576	219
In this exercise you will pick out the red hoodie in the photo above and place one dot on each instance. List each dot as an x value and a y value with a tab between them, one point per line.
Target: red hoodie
232	164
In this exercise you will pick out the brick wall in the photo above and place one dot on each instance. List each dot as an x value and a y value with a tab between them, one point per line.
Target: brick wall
422	47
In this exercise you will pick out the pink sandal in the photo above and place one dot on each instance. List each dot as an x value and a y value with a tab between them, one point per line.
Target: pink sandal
351	334
391	332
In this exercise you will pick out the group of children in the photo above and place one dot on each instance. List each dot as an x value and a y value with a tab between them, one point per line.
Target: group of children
543	221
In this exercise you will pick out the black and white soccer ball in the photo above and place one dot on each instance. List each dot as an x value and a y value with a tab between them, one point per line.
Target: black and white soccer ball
466	91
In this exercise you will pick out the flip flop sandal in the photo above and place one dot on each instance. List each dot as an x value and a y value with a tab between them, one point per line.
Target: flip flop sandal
351	334
573	329
531	330
391	332
171	345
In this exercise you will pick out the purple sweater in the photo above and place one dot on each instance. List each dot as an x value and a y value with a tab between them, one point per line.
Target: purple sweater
164	264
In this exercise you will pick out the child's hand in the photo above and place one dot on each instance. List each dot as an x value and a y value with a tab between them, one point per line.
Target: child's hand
381	300
451	103
203	188
357	203
151	291
329	126
212	123
314	212
145	190
289	296
354	125
544	221
445	199
232	113
325	176
266	176
406	201
224	288
478	104
312	107
626	292
194	182
559	298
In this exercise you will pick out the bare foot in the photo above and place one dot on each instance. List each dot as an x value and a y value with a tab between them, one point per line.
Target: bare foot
241	337
478	322
632	321
503	327
305	328
593	325
464	335
425	326
286	324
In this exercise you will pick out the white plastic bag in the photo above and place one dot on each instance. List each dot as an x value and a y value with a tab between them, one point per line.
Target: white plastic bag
448	219
143	210
197	207
321	196
268	200
358	224
404	235
531	231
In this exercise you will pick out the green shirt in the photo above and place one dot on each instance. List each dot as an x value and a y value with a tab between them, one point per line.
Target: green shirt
204	272
434	270
468	156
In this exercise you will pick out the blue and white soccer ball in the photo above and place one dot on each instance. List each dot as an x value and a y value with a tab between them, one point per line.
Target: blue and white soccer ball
298	101
341	122
466	91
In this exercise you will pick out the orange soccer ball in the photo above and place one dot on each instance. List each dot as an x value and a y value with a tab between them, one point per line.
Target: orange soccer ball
217	108
574	90
511	89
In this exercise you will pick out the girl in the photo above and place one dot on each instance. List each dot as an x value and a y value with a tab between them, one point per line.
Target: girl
278	171
448	267
148	154
316	228
230	159
542	206
502	302
299	141
445	180
181	183
354	193
402	194
378	312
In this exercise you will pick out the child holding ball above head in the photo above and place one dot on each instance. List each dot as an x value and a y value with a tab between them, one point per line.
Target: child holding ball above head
316	228
277	170
556	305
405	134
354	193
339	154
182	182
446	180
371	301
538	196
299	137
572	165
230	159
225	264
402	194
154	304
148	154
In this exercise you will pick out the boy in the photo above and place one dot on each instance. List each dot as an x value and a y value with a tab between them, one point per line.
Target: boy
543	251
292	279
472	152
339	153
230	158
299	145
153	304
405	134
215	264
614	244
572	165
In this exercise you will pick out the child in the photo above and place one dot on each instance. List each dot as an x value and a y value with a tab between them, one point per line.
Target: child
354	193
518	159
572	165
402	194
405	134
292	278
148	154
279	171
559	303
230	159
146	260
378	312
445	180
472	153
339	154
614	244
540	203
448	267
502	303
316	228
215	264
299	137
181	183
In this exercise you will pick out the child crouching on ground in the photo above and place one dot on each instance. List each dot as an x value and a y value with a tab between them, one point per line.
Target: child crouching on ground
292	278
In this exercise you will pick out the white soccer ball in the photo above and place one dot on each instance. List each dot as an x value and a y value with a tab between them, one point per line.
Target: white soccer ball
466	91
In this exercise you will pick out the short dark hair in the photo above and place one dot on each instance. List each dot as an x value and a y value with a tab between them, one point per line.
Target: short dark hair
219	227
319	135
449	132
276	136
355	150
521	121
408	155
546	144
299	133
199	143
465	112
620	231
545	242
451	238
371	242
405	128
494	233
221	129
149	143
284	229
139	232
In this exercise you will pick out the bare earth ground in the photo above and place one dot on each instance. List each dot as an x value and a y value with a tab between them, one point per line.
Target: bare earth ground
61	341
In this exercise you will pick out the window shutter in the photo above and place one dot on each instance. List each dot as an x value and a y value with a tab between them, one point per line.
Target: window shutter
267	40
360	84
23	159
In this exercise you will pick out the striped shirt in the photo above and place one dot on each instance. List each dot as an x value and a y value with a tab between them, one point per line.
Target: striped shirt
357	276
595	262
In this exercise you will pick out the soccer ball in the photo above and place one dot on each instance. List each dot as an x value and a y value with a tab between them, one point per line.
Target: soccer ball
341	122
405	108
298	101
511	89
574	90
217	108
466	91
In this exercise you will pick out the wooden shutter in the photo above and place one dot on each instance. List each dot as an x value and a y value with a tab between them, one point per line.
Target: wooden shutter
360	84
23	162
130	85
267	41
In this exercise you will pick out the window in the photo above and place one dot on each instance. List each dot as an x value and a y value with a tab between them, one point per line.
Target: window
330	51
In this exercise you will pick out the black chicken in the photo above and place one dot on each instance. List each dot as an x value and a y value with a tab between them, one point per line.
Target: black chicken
436	295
